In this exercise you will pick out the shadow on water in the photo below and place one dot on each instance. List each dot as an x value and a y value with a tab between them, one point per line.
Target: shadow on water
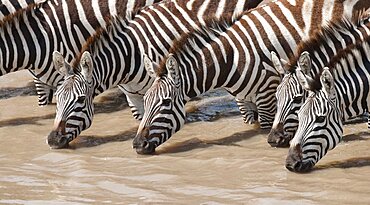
356	137
25	120
187	145
345	164
94	140
196	143
10	92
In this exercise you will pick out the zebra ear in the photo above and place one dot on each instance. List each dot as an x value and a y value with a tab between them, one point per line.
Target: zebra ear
304	62
277	63
304	80
150	66
61	65
173	68
327	82
86	65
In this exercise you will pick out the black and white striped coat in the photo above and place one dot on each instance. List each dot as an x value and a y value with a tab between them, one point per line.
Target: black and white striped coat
237	60
321	46
31	30
339	92
117	57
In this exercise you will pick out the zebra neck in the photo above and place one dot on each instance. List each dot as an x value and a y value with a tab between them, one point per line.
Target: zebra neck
352	81
116	58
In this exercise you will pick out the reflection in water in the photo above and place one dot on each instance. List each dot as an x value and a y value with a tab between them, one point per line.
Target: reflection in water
214	159
91	141
195	143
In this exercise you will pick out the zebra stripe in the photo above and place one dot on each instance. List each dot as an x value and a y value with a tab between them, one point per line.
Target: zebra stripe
31	30
344	94
246	72
289	94
10	7
117	55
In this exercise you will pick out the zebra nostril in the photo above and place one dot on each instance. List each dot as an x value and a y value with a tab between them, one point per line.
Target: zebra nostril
63	140
145	144
297	166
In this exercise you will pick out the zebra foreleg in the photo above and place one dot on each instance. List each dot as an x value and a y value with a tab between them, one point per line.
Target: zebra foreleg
135	102
44	92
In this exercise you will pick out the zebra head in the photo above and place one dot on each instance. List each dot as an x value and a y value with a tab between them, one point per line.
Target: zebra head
74	97
163	104
320	124
290	97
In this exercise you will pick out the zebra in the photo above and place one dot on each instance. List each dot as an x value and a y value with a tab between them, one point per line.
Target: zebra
117	58
243	53
31	30
289	94
338	93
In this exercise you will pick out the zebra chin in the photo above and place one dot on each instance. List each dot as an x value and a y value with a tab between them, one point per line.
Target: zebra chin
295	162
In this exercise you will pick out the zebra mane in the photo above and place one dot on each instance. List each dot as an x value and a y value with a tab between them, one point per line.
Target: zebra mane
329	31
18	13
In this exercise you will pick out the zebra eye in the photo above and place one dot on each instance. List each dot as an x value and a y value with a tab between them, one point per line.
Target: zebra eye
81	99
320	119
166	102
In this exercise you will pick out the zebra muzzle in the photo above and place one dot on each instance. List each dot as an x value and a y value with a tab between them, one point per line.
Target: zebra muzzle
57	138
143	146
294	161
141	143
277	137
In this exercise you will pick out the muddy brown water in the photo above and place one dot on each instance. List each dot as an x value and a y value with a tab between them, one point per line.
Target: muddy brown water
214	159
